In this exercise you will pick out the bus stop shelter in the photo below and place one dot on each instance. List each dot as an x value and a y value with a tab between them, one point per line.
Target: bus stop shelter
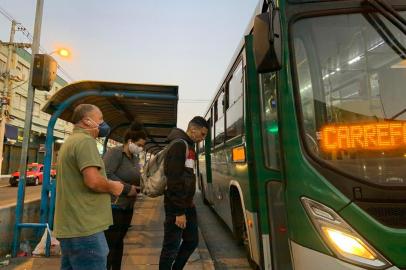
121	103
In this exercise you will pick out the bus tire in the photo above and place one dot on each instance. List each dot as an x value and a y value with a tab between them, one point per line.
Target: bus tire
239	227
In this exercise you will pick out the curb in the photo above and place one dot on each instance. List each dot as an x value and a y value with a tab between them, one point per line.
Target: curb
14	204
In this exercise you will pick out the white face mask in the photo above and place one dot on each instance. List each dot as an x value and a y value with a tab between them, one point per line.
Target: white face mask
134	149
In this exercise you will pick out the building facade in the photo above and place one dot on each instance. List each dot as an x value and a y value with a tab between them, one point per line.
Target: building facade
14	126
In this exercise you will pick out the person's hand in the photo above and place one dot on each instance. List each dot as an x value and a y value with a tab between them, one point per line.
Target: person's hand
133	192
116	188
181	221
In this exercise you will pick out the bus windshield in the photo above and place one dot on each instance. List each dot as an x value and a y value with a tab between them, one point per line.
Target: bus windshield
351	79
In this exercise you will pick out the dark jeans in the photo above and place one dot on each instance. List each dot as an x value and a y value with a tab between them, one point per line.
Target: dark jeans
115	236
178	244
84	253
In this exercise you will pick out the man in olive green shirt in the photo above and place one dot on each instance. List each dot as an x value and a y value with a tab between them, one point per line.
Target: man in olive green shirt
83	210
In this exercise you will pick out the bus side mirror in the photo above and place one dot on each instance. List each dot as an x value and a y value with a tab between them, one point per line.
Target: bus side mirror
268	41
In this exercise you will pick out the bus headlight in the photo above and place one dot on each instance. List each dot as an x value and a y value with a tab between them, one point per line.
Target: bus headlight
346	243
341	238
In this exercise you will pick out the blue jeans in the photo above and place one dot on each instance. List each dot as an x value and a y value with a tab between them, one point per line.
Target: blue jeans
84	253
178	243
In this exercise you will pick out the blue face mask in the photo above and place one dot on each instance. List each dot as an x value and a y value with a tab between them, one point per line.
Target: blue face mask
104	129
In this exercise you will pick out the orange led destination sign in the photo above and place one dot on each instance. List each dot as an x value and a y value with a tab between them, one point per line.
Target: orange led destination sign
369	136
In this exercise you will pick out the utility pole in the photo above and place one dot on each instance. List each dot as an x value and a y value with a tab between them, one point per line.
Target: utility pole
27	128
5	94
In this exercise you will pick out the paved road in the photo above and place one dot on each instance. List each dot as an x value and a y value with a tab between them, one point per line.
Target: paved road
8	194
4	182
219	240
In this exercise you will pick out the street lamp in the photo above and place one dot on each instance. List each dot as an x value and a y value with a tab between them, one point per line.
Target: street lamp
27	128
44	69
63	52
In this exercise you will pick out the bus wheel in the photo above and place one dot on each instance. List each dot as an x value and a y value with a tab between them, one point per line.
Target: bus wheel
205	201
239	227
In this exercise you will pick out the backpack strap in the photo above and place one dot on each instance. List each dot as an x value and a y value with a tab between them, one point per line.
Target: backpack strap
175	141
162	154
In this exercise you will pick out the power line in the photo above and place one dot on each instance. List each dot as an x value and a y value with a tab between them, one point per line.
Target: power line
6	14
66	73
27	34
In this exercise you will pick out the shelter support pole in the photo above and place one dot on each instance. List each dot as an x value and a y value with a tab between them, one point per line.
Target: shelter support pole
47	199
48	202
112	131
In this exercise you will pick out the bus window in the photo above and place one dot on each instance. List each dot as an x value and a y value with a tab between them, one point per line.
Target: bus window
234	115
236	85
209	120
270	120
220	106
215	111
200	147
226	97
219	125
212	119
307	96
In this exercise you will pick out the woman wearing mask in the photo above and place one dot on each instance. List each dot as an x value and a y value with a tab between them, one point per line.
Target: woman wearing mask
122	164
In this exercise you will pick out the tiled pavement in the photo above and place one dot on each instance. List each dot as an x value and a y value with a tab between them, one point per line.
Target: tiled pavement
142	244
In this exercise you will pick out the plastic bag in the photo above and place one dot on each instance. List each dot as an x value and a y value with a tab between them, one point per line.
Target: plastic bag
6	261
55	245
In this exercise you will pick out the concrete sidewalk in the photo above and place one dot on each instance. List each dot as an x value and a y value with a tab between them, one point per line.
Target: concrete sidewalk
142	244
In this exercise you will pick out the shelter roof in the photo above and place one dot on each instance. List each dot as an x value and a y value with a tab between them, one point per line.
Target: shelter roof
156	107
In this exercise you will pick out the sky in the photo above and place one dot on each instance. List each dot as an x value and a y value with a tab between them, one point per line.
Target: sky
188	43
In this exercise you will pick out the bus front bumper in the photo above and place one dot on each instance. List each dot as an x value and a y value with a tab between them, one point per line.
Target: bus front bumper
305	259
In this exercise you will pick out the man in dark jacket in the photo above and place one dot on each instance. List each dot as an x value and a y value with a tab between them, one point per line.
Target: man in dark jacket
180	228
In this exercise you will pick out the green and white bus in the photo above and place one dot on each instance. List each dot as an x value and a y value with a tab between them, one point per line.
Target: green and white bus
306	157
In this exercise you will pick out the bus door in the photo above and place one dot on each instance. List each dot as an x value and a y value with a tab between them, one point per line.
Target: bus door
264	93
